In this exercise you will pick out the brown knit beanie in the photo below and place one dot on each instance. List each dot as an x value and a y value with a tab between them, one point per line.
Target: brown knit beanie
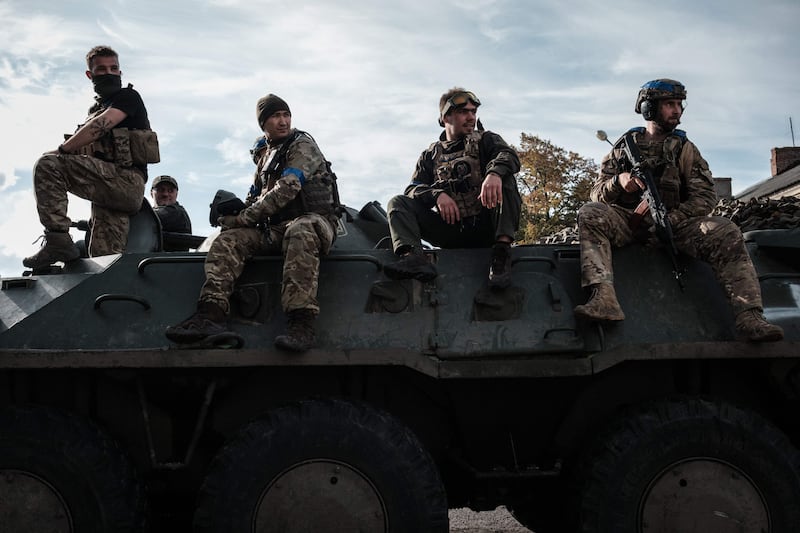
267	105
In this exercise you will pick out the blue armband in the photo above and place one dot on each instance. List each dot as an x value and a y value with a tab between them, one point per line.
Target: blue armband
301	177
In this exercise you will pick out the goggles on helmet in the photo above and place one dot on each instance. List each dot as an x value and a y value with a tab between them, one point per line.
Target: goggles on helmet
458	100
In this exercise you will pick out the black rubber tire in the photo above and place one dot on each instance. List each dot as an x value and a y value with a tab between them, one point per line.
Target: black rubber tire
69	475
704	461
275	475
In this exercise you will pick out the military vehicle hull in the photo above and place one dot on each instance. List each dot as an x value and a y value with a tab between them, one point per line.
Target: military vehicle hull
417	396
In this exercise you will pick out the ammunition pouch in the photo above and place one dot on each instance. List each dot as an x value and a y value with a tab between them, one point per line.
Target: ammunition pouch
124	147
135	147
224	203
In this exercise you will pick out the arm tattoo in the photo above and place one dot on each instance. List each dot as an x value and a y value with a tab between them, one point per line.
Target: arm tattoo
99	127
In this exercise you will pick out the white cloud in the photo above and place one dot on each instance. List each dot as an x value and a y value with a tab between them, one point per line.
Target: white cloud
365	79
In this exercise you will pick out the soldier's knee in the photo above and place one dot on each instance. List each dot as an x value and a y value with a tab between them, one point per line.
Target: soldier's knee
592	211
45	166
721	228
399	202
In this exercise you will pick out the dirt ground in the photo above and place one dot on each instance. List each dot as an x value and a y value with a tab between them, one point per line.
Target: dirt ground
497	521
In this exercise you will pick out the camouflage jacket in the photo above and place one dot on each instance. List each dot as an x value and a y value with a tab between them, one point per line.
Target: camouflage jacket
282	182
682	175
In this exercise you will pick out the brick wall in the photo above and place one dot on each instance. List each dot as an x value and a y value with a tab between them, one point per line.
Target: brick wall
784	158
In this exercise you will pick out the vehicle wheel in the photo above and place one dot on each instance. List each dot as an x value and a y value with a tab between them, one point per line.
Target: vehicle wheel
323	465
59	473
691	465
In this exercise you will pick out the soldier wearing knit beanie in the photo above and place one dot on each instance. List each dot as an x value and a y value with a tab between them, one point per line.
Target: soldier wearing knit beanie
267	105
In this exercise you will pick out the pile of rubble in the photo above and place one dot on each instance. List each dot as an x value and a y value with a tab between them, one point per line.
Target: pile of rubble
565	236
761	213
752	215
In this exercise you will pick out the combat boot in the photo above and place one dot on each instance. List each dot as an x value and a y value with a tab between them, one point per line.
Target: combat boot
56	246
751	325
299	335
207	321
413	265
500	267
602	304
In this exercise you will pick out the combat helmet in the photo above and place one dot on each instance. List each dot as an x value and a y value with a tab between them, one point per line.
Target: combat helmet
655	90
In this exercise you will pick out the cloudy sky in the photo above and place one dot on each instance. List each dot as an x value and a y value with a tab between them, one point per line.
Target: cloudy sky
365	81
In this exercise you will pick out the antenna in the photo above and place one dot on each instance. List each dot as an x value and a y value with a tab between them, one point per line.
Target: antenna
791	129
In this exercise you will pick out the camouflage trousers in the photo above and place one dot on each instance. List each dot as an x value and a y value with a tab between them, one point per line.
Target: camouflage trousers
301	241
715	240
115	193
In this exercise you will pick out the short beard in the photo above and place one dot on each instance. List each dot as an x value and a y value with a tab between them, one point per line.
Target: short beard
665	127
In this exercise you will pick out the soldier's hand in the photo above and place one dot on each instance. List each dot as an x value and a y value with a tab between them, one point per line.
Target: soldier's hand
491	190
448	208
231	221
630	183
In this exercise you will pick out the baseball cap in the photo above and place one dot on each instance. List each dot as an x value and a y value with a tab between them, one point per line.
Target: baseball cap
164	179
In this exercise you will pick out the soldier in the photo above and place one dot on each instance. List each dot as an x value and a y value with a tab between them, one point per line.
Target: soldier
105	162
616	217
293	213
469	176
172	215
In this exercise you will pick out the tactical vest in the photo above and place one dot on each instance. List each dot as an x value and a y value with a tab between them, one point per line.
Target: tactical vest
663	157
461	171
319	194
122	146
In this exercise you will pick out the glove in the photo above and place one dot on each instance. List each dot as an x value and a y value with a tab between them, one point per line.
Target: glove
231	221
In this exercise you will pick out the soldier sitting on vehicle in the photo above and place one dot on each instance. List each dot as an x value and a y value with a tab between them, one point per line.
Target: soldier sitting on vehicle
171	214
469	176
104	161
617	216
292	212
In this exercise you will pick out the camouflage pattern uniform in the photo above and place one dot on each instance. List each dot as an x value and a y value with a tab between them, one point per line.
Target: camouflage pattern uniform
115	193
103	174
687	191
281	219
458	168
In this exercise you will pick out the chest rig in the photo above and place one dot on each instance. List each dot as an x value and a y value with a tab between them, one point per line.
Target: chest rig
662	157
457	165
122	146
319	194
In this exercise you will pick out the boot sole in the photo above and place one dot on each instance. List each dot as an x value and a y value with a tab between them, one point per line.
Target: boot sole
581	314
401	274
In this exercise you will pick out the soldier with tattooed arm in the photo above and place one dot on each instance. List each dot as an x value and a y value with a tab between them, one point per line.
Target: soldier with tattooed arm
104	161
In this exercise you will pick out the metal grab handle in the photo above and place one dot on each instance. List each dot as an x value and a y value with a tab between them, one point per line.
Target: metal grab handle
120	298
144	263
534	259
162	260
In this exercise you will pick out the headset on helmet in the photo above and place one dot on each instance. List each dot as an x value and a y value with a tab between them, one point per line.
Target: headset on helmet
655	90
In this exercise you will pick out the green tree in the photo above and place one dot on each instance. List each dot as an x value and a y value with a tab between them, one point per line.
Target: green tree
554	184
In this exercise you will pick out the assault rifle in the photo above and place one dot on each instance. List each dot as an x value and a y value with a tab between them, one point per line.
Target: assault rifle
663	228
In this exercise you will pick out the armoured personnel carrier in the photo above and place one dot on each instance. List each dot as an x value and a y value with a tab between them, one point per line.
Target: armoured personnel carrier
417	397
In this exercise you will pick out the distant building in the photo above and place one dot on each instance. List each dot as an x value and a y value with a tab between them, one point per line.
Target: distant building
785	180
722	186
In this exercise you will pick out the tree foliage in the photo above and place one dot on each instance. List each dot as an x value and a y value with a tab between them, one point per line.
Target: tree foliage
554	184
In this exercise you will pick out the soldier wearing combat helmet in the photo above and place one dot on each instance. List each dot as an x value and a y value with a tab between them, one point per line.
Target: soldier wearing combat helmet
468	176
292	212
617	216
